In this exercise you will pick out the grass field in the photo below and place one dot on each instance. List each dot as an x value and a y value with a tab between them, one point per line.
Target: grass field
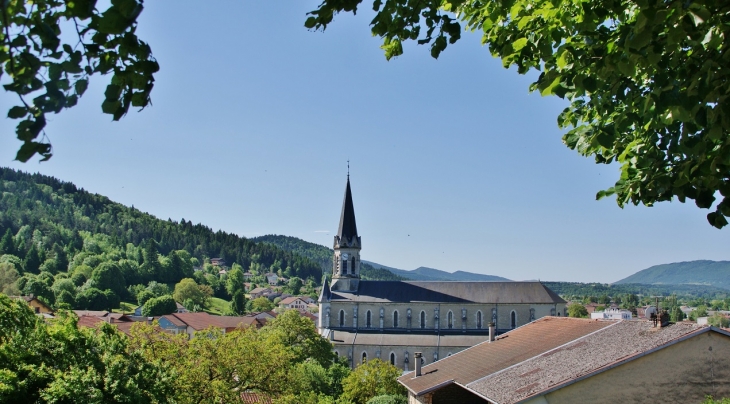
217	306
125	307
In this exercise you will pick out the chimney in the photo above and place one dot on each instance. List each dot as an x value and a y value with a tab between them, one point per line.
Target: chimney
492	332
418	356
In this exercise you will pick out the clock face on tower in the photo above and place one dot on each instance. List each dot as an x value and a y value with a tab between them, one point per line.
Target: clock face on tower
345	256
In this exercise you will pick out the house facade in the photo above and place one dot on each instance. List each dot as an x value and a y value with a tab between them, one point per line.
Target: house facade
391	320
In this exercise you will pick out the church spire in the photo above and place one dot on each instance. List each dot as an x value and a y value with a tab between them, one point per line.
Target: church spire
347	232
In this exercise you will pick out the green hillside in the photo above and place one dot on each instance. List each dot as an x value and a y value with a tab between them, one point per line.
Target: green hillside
704	272
65	244
370	270
323	256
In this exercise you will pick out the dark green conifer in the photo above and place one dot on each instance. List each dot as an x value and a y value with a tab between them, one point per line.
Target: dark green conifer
32	260
7	244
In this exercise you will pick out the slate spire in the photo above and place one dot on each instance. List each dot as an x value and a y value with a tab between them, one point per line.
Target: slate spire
347	233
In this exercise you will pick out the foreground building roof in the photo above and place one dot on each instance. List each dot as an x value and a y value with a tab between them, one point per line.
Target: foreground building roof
546	355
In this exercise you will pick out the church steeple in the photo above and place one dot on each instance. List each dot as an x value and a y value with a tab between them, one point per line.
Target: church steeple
347	232
346	261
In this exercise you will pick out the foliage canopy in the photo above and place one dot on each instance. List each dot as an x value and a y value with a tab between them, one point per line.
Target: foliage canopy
646	80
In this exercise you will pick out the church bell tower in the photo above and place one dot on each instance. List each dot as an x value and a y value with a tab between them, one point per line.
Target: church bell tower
346	262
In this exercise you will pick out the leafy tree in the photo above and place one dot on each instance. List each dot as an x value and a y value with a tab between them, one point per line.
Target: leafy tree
159	306
63	284
718	320
238	303
676	314
294	286
577	310
7	244
143	296
8	278
300	335
235	281
700	311
261	304
710	400
49	71
108	276
39	287
32	260
61	363
372	378
388	399
60	258
204	366
645	80
92	299
65	297
78	278
188	289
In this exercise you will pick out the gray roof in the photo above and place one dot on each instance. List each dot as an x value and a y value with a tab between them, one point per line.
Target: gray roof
601	350
348	228
450	292
407	339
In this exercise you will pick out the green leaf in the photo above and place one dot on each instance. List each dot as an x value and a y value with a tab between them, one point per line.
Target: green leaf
519	44
110	107
717	220
17	112
29	149
81	86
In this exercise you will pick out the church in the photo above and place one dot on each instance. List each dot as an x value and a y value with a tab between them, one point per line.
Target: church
391	320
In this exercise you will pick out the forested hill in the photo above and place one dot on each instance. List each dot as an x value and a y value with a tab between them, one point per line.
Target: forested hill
703	272
323	256
52	212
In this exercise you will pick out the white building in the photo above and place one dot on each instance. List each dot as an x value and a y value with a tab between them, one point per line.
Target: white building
612	314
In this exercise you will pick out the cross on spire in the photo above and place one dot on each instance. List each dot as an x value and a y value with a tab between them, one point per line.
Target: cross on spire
348	169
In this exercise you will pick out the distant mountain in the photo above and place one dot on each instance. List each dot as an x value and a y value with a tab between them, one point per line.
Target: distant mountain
704	272
430	274
370	270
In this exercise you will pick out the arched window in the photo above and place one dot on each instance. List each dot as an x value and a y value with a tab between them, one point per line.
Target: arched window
395	319
451	320
367	319
513	319
392	358
423	319
352	264
344	267
364	357
479	320
342	318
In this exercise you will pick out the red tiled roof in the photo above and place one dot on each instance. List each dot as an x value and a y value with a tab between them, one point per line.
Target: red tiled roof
197	321
250	397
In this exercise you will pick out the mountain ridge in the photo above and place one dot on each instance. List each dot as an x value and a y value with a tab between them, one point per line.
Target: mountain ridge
697	272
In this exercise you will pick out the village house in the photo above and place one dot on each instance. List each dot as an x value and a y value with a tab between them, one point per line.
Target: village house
570	360
218	262
272	278
190	323
36	305
259	292
293	302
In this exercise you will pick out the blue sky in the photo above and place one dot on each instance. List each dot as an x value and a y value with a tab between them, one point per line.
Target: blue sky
454	165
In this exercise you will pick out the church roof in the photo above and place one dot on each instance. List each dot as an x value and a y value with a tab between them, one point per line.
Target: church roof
348	227
450	292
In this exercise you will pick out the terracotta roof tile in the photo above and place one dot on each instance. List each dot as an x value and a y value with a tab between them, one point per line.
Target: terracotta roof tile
197	321
249	397
509	349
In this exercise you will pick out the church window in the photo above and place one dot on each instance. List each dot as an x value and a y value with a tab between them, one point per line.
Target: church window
479	320
367	319
344	267
342	318
451	320
364	357
423	319
392	358
395	319
352	264
552	311
513	319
